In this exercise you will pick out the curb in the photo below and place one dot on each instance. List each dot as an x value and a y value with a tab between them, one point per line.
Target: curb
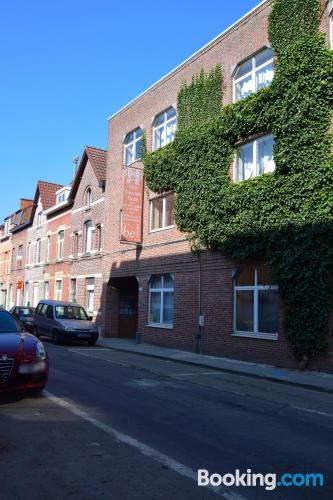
226	370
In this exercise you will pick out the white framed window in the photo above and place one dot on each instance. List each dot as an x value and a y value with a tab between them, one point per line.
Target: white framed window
99	237
255	304
164	128
255	158
88	198
161	212
58	290
38	251
88	229
253	74
72	290
48	248
75	244
39	219
46	290
35	295
29	253
26	294
161	290
90	291
61	239
132	146
19	256
61	197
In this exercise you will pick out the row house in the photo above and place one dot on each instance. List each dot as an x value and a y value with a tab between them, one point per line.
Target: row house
5	261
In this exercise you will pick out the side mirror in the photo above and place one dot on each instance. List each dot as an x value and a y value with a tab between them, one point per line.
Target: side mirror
90	318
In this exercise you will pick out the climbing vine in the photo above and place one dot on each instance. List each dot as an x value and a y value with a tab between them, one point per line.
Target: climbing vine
283	217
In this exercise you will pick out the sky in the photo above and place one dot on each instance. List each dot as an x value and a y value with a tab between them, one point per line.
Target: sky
67	65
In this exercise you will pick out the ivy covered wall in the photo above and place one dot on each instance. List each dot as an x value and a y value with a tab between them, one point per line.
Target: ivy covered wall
283	217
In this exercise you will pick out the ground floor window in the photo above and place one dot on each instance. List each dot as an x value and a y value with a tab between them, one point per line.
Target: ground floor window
161	291
90	291
255	303
72	290
58	290
46	290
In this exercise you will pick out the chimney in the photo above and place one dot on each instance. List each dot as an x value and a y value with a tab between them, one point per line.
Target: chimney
24	203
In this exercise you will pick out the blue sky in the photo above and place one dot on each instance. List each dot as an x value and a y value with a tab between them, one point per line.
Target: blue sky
67	65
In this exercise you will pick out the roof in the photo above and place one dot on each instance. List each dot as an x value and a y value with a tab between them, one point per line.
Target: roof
97	158
47	192
21	218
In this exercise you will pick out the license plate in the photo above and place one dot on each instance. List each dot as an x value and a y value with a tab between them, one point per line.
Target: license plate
84	335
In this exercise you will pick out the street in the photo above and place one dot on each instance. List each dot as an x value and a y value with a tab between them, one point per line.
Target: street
119	425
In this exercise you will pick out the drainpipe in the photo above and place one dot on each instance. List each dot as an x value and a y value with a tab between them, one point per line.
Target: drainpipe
201	318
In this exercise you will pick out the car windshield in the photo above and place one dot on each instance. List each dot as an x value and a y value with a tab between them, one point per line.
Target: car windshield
8	324
25	311
70	312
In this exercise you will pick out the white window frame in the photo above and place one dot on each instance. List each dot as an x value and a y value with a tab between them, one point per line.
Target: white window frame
58	290
75	244
255	157
39	219
255	289
251	73
132	143
48	248
29	253
38	251
61	244
164	125
164	226
46	290
88	230
88	197
90	296
161	291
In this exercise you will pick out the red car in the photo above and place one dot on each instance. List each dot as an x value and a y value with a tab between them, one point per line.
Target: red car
24	361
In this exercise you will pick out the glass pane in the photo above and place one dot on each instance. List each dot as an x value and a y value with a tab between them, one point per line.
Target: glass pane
169	202
138	133
265	155
155	307
128	154
156	281
245	277
167	281
244	87
263	276
170	131
243	69
138	146
264	76
268	311
129	138
263	56
245	166
159	120
159	138
170	113
244	311
157	213
168	308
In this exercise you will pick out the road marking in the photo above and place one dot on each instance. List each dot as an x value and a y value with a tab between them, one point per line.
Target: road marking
146	450
316	412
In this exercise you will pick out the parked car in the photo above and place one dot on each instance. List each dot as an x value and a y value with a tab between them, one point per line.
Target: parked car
64	321
25	315
23	359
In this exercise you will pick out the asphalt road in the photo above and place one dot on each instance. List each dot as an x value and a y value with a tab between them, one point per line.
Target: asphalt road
117	425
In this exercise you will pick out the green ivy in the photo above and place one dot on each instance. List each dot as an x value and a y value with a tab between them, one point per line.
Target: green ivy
284	217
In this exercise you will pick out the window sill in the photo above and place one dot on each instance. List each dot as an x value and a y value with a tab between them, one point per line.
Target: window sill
160	229
261	336
159	325
132	163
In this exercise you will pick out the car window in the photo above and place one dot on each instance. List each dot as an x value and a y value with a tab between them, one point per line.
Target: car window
49	312
43	308
8	324
70	312
39	308
24	311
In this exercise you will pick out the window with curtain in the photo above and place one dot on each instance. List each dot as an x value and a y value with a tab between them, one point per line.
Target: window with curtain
88	228
253	74
255	303
161	290
255	158
164	128
161	212
61	238
132	146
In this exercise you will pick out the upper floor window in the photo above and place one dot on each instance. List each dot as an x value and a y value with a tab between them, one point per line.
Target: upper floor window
161	291
255	303
88	198
61	197
88	228
255	158
61	239
164	128
39	219
38	251
48	248
29	253
132	146
99	237
75	244
161	212
253	74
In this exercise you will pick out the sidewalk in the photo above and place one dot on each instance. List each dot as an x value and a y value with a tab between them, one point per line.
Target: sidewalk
307	379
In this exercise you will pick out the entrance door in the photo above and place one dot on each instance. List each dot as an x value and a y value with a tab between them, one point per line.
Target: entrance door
124	306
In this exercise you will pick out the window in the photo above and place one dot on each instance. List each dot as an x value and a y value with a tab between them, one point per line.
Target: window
26	294
35	295
29	253
61	197
255	158
39	219
46	290
164	128
72	290
253	74
161	300
61	237
48	248
75	244
132	146
88	198
161	212
19	256
49	312
38	251
99	237
88	227
255	303
58	294
90	288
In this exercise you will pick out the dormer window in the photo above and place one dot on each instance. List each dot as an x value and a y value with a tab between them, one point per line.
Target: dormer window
88	198
164	128
61	198
253	74
132	146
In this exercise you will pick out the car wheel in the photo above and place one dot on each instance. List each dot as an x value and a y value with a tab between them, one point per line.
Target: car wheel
56	338
91	342
35	332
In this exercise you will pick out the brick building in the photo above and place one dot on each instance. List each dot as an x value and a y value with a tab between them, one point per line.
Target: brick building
5	261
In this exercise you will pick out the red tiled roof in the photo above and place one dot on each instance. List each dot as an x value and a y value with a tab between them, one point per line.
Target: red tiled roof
47	193
97	159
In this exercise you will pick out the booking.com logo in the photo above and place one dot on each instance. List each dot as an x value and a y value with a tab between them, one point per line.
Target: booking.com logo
269	481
